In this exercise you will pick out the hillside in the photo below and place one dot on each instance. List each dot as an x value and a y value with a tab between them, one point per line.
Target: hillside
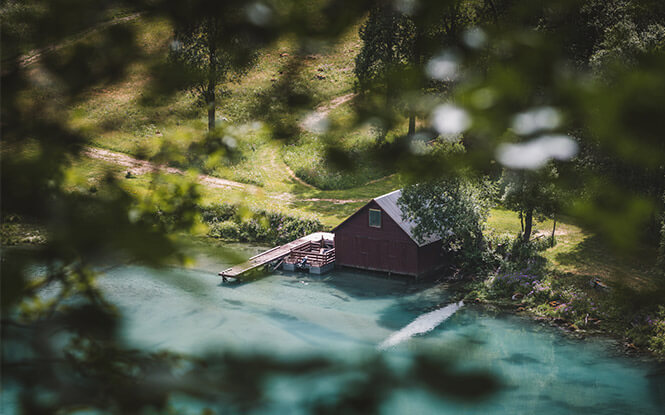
292	177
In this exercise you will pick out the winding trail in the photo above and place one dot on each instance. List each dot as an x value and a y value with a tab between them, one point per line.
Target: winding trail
36	54
140	167
324	109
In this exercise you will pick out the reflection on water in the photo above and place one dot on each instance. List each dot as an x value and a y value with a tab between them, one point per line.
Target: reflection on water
423	324
345	315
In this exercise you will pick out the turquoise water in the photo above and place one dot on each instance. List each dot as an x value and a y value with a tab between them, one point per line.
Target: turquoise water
347	315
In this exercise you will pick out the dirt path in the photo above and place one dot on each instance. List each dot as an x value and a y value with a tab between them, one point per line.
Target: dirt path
34	55
140	167
289	172
335	201
322	110
334	103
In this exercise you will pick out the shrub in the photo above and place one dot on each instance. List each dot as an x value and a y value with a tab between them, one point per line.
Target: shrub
661	251
531	287
231	223
218	213
657	340
225	230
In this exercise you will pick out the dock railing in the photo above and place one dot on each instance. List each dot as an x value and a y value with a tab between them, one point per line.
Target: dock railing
312	251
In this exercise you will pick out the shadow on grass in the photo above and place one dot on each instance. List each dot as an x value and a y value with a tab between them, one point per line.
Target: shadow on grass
594	256
364	192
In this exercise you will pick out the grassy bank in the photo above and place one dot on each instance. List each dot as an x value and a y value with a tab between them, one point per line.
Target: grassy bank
582	284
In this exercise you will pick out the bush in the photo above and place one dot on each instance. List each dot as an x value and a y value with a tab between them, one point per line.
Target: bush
661	251
225	230
657	340
218	213
231	223
525	255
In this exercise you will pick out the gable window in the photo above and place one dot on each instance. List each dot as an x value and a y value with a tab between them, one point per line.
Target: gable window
375	218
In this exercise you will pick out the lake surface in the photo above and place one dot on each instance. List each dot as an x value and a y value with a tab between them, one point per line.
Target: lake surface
346	315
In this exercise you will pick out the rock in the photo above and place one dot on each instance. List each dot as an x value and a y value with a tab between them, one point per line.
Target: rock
517	296
598	284
553	303
283	54
520	309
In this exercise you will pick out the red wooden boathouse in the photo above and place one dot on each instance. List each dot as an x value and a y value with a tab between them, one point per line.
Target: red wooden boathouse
377	238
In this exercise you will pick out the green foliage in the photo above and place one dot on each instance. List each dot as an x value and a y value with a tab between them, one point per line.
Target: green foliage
657	325
238	224
453	209
621	31
531	193
388	46
14	231
517	255
208	50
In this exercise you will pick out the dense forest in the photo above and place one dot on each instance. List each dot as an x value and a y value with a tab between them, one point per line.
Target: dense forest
529	134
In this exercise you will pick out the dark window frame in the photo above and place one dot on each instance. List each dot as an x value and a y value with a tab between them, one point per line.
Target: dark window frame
370	218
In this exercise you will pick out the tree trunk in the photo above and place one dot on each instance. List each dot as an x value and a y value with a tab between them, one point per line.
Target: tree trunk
521	221
412	125
528	224
210	93
553	230
211	106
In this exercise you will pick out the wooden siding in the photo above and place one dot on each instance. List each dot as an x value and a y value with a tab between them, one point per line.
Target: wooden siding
430	258
387	248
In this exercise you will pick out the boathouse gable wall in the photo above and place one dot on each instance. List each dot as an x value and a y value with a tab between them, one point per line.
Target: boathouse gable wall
385	248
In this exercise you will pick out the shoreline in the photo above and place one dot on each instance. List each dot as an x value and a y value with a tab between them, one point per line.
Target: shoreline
621	344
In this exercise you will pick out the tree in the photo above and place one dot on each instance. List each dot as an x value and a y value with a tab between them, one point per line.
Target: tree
453	208
212	54
397	43
530	193
388	38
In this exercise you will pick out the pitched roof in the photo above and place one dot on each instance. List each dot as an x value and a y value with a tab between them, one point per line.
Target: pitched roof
388	203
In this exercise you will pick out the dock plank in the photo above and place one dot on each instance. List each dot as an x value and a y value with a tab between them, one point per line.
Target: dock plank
273	254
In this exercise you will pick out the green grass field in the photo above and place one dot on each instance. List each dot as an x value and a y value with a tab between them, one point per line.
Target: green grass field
124	118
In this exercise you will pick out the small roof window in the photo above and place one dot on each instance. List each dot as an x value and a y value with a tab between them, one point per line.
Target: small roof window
375	218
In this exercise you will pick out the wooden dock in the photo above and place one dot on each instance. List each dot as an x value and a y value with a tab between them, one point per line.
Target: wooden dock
273	255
